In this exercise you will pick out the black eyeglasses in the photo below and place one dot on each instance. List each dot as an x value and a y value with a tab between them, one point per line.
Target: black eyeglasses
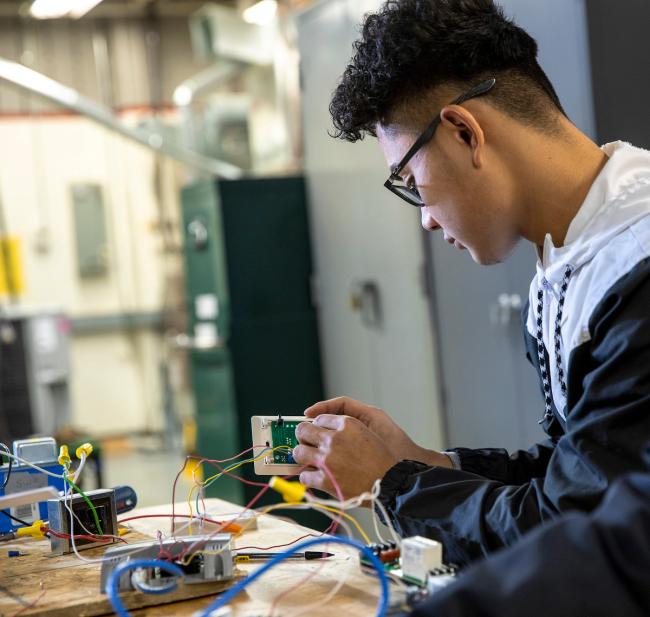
395	184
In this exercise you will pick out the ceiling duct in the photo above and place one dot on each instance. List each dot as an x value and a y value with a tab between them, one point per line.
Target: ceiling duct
220	32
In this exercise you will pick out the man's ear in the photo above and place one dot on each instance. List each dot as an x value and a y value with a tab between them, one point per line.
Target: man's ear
465	129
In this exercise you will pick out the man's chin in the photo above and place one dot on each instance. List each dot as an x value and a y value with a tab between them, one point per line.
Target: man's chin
485	259
492	257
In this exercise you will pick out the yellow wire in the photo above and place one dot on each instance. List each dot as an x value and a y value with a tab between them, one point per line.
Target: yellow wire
353	520
240	464
198	483
280	506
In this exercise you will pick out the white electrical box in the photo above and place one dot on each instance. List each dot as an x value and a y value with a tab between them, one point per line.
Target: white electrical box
274	438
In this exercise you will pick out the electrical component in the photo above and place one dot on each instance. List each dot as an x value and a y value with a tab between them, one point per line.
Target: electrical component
275	436
441	577
212	562
420	564
419	557
23	478
84	522
388	553
246	519
293	492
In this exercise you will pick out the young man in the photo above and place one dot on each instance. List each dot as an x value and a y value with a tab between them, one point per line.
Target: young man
475	137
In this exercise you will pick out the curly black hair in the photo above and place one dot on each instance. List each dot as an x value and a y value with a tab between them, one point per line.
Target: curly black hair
409	47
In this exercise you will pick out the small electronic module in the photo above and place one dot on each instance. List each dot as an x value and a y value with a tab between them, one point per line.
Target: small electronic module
274	438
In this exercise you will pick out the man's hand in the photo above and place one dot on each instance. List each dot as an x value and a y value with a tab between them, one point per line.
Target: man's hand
354	455
400	445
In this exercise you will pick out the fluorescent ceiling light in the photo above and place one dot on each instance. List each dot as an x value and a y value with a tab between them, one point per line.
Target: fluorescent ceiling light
262	13
81	7
50	9
53	9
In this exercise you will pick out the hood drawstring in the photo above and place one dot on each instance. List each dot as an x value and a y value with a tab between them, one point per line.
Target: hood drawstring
543	366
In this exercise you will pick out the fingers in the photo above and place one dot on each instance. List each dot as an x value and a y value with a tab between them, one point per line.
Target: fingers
311	434
312	459
315	479
330	422
342	405
307	456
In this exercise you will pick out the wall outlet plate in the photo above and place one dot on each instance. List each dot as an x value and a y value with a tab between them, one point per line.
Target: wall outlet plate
270	432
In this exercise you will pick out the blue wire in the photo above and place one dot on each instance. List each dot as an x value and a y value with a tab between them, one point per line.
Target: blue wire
113	582
223	599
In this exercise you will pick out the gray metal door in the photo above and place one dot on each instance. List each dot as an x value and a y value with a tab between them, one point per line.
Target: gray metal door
491	395
376	333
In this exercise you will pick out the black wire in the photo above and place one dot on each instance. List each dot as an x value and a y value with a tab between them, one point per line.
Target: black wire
13	518
11	461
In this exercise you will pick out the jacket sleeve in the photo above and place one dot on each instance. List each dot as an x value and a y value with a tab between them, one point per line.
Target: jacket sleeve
596	565
469	514
607	424
497	464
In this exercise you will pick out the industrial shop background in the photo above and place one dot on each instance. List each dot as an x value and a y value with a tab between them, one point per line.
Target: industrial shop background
152	309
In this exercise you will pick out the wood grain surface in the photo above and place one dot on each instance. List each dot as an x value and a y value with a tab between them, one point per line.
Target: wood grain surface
66	586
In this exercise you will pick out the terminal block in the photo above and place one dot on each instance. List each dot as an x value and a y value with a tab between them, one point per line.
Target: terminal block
211	560
274	438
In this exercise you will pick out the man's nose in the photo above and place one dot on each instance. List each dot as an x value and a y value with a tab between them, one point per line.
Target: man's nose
428	222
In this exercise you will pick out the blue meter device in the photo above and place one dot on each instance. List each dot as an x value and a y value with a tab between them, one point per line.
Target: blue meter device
42	452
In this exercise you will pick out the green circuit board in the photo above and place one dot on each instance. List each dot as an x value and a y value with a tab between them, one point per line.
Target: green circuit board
284	434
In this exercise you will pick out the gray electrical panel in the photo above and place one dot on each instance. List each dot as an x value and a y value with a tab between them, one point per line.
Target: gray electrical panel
34	374
90	230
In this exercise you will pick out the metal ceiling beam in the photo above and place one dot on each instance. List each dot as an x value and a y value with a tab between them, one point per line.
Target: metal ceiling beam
53	91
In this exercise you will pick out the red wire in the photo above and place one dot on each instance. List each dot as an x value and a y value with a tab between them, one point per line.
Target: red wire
232	475
204	542
178	475
268	548
199	518
104	538
214	462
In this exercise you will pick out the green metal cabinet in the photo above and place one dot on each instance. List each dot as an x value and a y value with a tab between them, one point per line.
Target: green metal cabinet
247	243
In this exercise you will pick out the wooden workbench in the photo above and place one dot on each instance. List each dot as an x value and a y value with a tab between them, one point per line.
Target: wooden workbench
67	586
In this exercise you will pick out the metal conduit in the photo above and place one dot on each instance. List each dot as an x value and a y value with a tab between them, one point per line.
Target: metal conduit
43	86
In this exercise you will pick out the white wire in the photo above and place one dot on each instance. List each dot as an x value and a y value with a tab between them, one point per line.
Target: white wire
356	502
396	537
343	580
375	523
82	462
24	462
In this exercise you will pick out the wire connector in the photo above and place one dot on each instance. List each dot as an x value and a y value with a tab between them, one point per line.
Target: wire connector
64	456
35	530
85	448
293	492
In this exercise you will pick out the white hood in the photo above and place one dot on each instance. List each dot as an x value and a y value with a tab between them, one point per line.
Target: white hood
619	197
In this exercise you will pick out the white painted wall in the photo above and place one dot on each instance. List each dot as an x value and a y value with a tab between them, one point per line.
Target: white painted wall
115	379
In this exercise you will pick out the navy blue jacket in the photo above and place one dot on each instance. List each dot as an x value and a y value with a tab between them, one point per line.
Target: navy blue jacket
496	497
596	565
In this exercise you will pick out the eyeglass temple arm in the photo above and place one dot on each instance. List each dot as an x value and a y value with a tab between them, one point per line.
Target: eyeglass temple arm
478	90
